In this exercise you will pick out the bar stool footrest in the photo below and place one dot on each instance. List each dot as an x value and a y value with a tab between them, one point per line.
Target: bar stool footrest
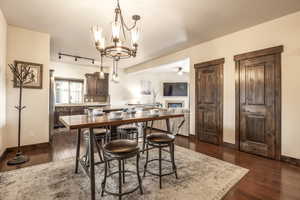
123	193
126	171
156	174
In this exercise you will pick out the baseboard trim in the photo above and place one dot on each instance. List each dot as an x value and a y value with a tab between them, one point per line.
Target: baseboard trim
290	160
286	159
28	147
229	145
183	135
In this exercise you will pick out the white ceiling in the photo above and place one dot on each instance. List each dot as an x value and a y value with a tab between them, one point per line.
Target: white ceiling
170	67
167	25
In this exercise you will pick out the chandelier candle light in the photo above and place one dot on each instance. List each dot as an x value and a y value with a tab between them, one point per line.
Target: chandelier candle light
118	47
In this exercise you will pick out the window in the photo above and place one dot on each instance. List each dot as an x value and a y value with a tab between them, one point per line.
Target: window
68	91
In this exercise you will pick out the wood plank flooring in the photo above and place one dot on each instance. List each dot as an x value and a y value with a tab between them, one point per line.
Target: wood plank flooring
267	179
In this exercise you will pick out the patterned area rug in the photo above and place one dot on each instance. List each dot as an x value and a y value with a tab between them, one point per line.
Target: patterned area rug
200	177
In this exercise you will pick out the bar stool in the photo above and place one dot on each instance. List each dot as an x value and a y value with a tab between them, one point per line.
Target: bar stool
129	131
160	140
100	135
120	150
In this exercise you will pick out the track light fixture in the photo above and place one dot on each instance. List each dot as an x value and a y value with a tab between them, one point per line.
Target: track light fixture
180	71
60	55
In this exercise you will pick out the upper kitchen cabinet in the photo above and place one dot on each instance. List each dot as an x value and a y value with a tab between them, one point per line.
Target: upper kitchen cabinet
90	85
97	88
101	85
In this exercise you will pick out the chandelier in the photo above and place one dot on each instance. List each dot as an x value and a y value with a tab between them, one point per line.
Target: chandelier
118	47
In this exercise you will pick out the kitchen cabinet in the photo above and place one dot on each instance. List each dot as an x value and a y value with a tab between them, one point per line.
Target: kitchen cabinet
90	85
60	111
96	87
66	110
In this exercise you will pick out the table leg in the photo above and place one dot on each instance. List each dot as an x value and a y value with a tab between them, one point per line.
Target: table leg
98	148
77	150
152	122
144	135
92	166
168	125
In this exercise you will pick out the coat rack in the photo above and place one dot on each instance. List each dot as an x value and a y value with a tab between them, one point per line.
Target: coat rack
23	76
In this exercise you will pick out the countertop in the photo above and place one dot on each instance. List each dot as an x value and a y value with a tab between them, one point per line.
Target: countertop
92	104
105	107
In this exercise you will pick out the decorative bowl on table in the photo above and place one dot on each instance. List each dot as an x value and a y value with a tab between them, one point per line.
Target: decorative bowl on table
98	112
117	115
131	110
154	112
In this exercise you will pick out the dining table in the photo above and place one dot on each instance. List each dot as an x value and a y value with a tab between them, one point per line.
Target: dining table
79	122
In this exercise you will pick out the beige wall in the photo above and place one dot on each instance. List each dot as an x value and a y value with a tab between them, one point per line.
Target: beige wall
26	45
3	31
69	70
133	86
283	31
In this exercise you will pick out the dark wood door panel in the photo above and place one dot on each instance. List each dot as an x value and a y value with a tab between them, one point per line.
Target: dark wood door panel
207	127
209	101
255	84
255	148
211	121
209	137
208	85
255	128
257	106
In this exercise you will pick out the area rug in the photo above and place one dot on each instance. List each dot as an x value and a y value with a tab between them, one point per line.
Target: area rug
200	177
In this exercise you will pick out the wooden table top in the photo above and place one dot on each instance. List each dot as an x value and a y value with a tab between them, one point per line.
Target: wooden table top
84	121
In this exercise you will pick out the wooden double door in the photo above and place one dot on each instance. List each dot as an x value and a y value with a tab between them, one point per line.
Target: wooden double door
258	102
209	101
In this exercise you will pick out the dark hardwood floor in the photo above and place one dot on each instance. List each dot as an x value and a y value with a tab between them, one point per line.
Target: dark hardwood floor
267	179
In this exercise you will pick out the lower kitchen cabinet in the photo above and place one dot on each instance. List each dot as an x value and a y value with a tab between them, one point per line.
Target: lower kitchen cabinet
64	111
